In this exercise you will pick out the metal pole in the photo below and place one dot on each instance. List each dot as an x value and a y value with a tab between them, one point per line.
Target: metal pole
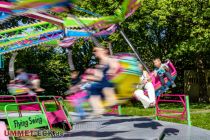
70	59
11	66
156	108
134	50
95	41
119	108
156	115
188	110
110	49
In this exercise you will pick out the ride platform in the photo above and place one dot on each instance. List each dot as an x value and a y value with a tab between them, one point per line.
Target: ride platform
132	128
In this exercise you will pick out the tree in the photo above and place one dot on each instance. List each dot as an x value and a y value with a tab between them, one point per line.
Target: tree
174	29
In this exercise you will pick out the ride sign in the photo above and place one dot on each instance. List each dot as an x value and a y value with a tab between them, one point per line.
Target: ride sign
27	122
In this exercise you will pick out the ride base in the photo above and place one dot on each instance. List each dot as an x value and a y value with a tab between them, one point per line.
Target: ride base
132	128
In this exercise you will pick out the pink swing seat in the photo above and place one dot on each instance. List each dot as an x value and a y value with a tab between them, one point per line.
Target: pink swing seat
156	80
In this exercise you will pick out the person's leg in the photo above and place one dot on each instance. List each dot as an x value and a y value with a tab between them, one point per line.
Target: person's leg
110	96
79	108
168	75
151	92
95	100
162	80
164	85
170	78
96	104
36	85
95	88
139	94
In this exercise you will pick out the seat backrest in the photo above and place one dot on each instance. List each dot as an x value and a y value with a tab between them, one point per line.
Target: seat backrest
172	70
129	63
32	76
126	79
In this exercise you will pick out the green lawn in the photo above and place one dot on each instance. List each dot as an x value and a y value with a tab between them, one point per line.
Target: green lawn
200	113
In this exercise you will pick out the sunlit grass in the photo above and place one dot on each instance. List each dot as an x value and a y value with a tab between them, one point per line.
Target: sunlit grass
199	113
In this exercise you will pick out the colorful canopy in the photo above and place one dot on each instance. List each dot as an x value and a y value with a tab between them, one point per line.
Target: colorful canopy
52	28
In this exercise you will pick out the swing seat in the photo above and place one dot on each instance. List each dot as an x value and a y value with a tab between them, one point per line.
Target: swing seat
126	79
156	80
19	89
16	89
125	85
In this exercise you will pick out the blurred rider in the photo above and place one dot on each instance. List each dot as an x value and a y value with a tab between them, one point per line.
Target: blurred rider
102	88
26	79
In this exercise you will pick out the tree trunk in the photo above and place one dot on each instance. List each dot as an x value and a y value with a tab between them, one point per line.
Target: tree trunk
203	96
70	60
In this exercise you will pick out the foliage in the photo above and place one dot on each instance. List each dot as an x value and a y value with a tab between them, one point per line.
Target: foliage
174	29
51	65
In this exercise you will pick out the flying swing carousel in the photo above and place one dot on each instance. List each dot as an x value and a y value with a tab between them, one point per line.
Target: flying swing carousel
53	30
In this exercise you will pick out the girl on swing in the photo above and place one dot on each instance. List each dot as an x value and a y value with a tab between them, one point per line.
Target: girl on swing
101	88
96	83
145	86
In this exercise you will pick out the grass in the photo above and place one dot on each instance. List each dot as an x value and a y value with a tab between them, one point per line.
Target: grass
200	113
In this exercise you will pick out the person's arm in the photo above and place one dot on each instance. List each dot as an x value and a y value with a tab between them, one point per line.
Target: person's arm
74	88
12	81
147	75
155	73
17	77
114	66
165	67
